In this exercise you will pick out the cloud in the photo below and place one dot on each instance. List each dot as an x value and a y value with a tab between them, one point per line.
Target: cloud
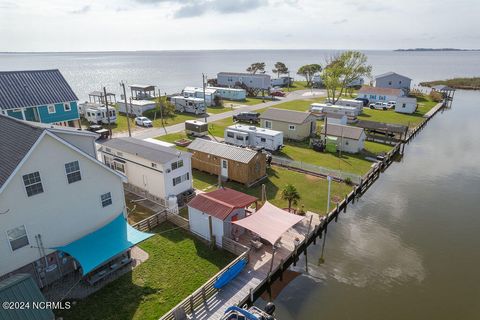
82	10
341	21
8	5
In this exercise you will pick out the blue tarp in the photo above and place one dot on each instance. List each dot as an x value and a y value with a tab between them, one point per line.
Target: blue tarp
98	247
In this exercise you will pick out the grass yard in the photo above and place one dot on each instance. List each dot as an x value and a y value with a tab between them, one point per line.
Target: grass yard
215	110
297	85
178	264
390	116
313	190
299	105
352	163
249	101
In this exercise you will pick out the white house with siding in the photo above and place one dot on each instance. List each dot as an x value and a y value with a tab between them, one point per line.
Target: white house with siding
348	139
392	80
254	81
375	94
53	192
406	105
158	170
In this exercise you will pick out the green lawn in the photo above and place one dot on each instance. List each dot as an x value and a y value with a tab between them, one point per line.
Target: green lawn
249	101
178	264
172	137
297	85
313	190
221	109
352	163
390	116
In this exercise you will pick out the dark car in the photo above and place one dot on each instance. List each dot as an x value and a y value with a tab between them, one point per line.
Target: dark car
364	100
250	117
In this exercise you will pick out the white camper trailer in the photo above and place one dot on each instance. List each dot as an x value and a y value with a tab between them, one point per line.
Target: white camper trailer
97	113
196	128
317	109
197	92
188	104
350	112
351	103
136	107
254	137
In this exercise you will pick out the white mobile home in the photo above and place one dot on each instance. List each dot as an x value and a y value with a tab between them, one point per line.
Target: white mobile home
197	92
188	105
351	103
406	105
97	113
376	94
231	93
349	139
251	136
136	107
350	112
160	171
254	81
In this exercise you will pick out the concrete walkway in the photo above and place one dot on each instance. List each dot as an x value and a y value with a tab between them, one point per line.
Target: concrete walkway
158	131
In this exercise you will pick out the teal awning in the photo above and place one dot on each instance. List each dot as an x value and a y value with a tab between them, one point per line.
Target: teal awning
98	247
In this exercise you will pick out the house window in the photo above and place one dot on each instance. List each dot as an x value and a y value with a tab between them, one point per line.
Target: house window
154	165
404	105
67	107
119	166
108	162
268	124
389	83
177	164
181	179
263	139
51	108
17	237
106	199
230	135
291	127
33	183
73	172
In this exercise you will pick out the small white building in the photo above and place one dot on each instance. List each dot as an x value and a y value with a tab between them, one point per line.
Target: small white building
406	105
234	94
393	80
376	94
54	192
197	92
160	171
251	136
349	139
211	214
136	107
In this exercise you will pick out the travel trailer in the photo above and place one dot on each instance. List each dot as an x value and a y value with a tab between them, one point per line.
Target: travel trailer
230	93
251	136
188	104
197	92
97	113
196	128
350	112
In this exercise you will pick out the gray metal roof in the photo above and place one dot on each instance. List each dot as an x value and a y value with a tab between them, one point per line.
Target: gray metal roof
391	73
338	130
144	149
290	116
16	139
20	89
22	288
222	150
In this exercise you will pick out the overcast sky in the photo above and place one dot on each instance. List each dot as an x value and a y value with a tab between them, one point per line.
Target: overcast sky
67	25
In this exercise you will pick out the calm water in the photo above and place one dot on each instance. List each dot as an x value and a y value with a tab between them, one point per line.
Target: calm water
173	70
410	248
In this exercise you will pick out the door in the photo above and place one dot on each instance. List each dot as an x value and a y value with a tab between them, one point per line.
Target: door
224	168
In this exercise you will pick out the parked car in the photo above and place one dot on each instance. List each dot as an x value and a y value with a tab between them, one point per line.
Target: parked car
143	121
391	104
278	94
246	116
379	105
364	100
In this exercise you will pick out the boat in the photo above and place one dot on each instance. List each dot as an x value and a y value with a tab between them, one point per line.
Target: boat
252	313
230	274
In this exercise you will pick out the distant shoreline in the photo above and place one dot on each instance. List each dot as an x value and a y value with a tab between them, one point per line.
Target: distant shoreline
436	49
456	83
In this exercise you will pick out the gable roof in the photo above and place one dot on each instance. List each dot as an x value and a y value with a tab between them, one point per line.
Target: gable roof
290	116
391	73
220	203
20	89
222	150
379	90
338	130
144	149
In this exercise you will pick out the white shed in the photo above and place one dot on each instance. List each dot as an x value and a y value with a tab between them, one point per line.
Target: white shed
349	139
406	105
211	214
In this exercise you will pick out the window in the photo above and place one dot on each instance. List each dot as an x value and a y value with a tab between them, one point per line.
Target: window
106	199
230	134
404	105
181	179
177	164
108	162
67	107
154	165
291	127
119	166
389	83
51	108
33	183
88	114
73	172
240	138
268	124
17	237
263	139
224	164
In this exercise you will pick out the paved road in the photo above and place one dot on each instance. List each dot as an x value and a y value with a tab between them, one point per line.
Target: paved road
155	132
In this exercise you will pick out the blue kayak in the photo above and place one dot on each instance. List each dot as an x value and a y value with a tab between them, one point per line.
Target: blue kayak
230	274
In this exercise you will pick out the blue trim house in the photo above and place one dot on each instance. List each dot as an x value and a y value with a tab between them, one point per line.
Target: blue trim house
38	95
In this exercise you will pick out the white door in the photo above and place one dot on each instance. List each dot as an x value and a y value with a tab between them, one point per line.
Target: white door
224	168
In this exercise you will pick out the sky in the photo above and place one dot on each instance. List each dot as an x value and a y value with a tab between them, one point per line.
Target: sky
129	25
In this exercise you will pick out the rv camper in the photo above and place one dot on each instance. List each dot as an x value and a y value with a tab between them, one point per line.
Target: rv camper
197	92
196	128
251	136
188	104
317	109
350	112
351	103
97	113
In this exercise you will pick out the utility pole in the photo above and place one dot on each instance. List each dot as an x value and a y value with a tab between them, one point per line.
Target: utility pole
126	108
108	112
328	195
204	97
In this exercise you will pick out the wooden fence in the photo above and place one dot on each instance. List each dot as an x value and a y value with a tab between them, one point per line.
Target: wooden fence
233	246
151	222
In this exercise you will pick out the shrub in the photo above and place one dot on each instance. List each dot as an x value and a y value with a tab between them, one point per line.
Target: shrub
348	181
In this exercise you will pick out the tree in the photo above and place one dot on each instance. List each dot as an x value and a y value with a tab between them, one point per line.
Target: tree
341	70
256	67
308	71
290	194
280	68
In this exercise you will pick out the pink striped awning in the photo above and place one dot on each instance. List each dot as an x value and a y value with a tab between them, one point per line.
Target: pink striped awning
269	222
